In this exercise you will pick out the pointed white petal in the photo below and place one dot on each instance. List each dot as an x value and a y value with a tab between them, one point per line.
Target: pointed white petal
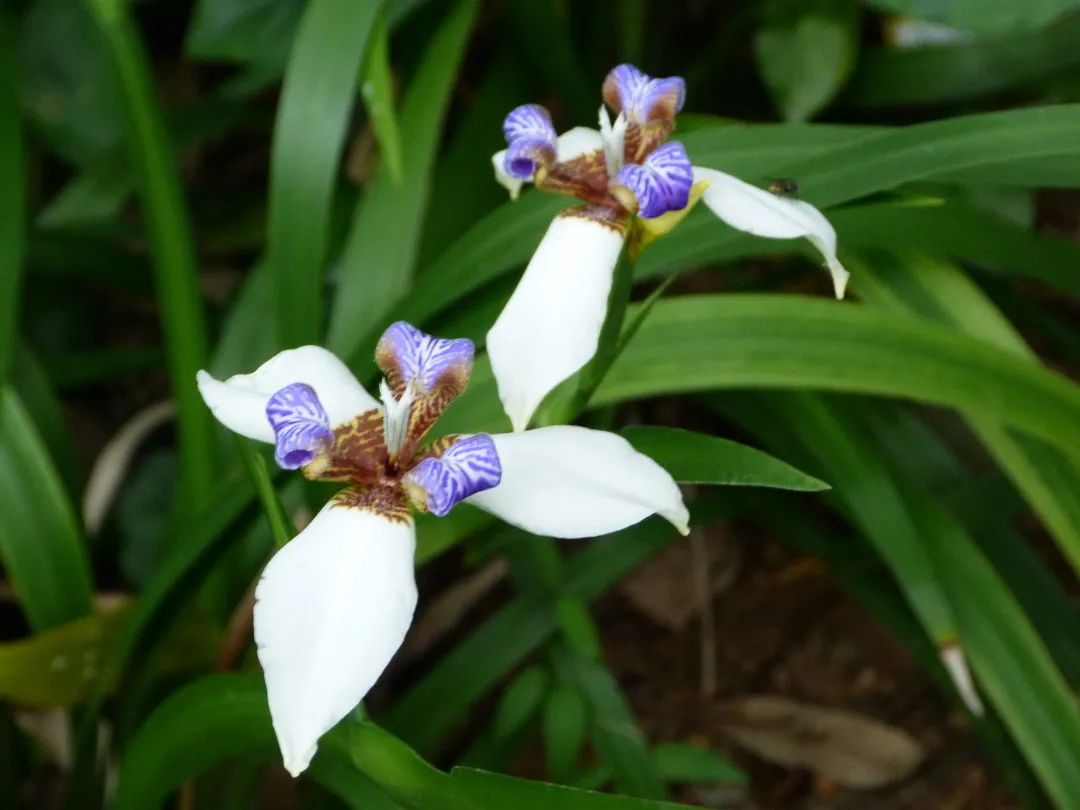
577	142
569	481
511	184
550	326
239	402
763	213
331	610
952	656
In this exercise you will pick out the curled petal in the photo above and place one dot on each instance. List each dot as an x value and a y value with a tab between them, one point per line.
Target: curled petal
331	609
469	465
408	356
511	184
763	213
240	402
569	481
300	424
531	141
641	97
550	326
660	184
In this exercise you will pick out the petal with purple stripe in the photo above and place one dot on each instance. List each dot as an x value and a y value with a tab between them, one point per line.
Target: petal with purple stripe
408	356
660	184
531	141
301	426
470	465
643	98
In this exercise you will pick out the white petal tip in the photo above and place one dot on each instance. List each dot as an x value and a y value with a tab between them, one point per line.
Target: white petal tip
840	278
296	765
681	528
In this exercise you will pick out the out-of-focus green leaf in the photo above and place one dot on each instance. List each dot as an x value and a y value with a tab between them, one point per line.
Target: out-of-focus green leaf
258	31
151	153
985	16
616	734
41	404
938	74
12	204
58	667
493	791
67	81
281	528
377	91
542	32
565	722
41	546
316	100
697	458
378	261
679	762
92	197
805	52
745	341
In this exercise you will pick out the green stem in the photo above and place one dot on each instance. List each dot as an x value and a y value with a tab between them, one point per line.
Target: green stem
276	515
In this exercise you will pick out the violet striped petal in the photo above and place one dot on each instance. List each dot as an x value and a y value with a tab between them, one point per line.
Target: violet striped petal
470	465
301	427
643	98
408	356
531	141
661	184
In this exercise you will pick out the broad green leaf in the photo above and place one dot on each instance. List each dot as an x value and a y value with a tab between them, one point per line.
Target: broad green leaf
697	458
981	15
258	31
959	71
805	57
379	257
57	667
752	341
12	204
41	545
680	762
67	82
313	115
179	301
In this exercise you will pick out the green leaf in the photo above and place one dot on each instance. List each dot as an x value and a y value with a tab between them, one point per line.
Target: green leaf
313	114
58	667
12	204
697	458
281	528
981	15
378	260
377	91
697	343
805	58
497	792
67	81
565	722
679	762
179	300
255	31
41	546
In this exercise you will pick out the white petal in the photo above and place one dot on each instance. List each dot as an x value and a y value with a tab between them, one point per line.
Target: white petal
239	403
763	213
550	326
331	609
511	184
577	142
569	481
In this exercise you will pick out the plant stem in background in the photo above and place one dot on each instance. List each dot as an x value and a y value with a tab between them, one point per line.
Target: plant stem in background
166	222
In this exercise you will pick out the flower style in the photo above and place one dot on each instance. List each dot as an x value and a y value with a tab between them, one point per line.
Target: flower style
625	170
333	606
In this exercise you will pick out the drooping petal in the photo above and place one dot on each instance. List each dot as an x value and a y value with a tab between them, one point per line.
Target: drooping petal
240	402
550	326
660	184
641	97
331	609
467	465
511	184
763	213
301	427
568	481
531	141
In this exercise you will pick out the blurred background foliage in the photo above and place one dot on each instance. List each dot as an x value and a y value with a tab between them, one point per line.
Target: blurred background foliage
200	183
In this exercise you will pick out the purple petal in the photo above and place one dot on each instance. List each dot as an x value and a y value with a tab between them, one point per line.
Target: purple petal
662	183
301	427
531	140
407	356
468	466
641	97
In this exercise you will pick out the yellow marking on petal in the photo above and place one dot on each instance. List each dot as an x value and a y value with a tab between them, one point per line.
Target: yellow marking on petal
647	231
